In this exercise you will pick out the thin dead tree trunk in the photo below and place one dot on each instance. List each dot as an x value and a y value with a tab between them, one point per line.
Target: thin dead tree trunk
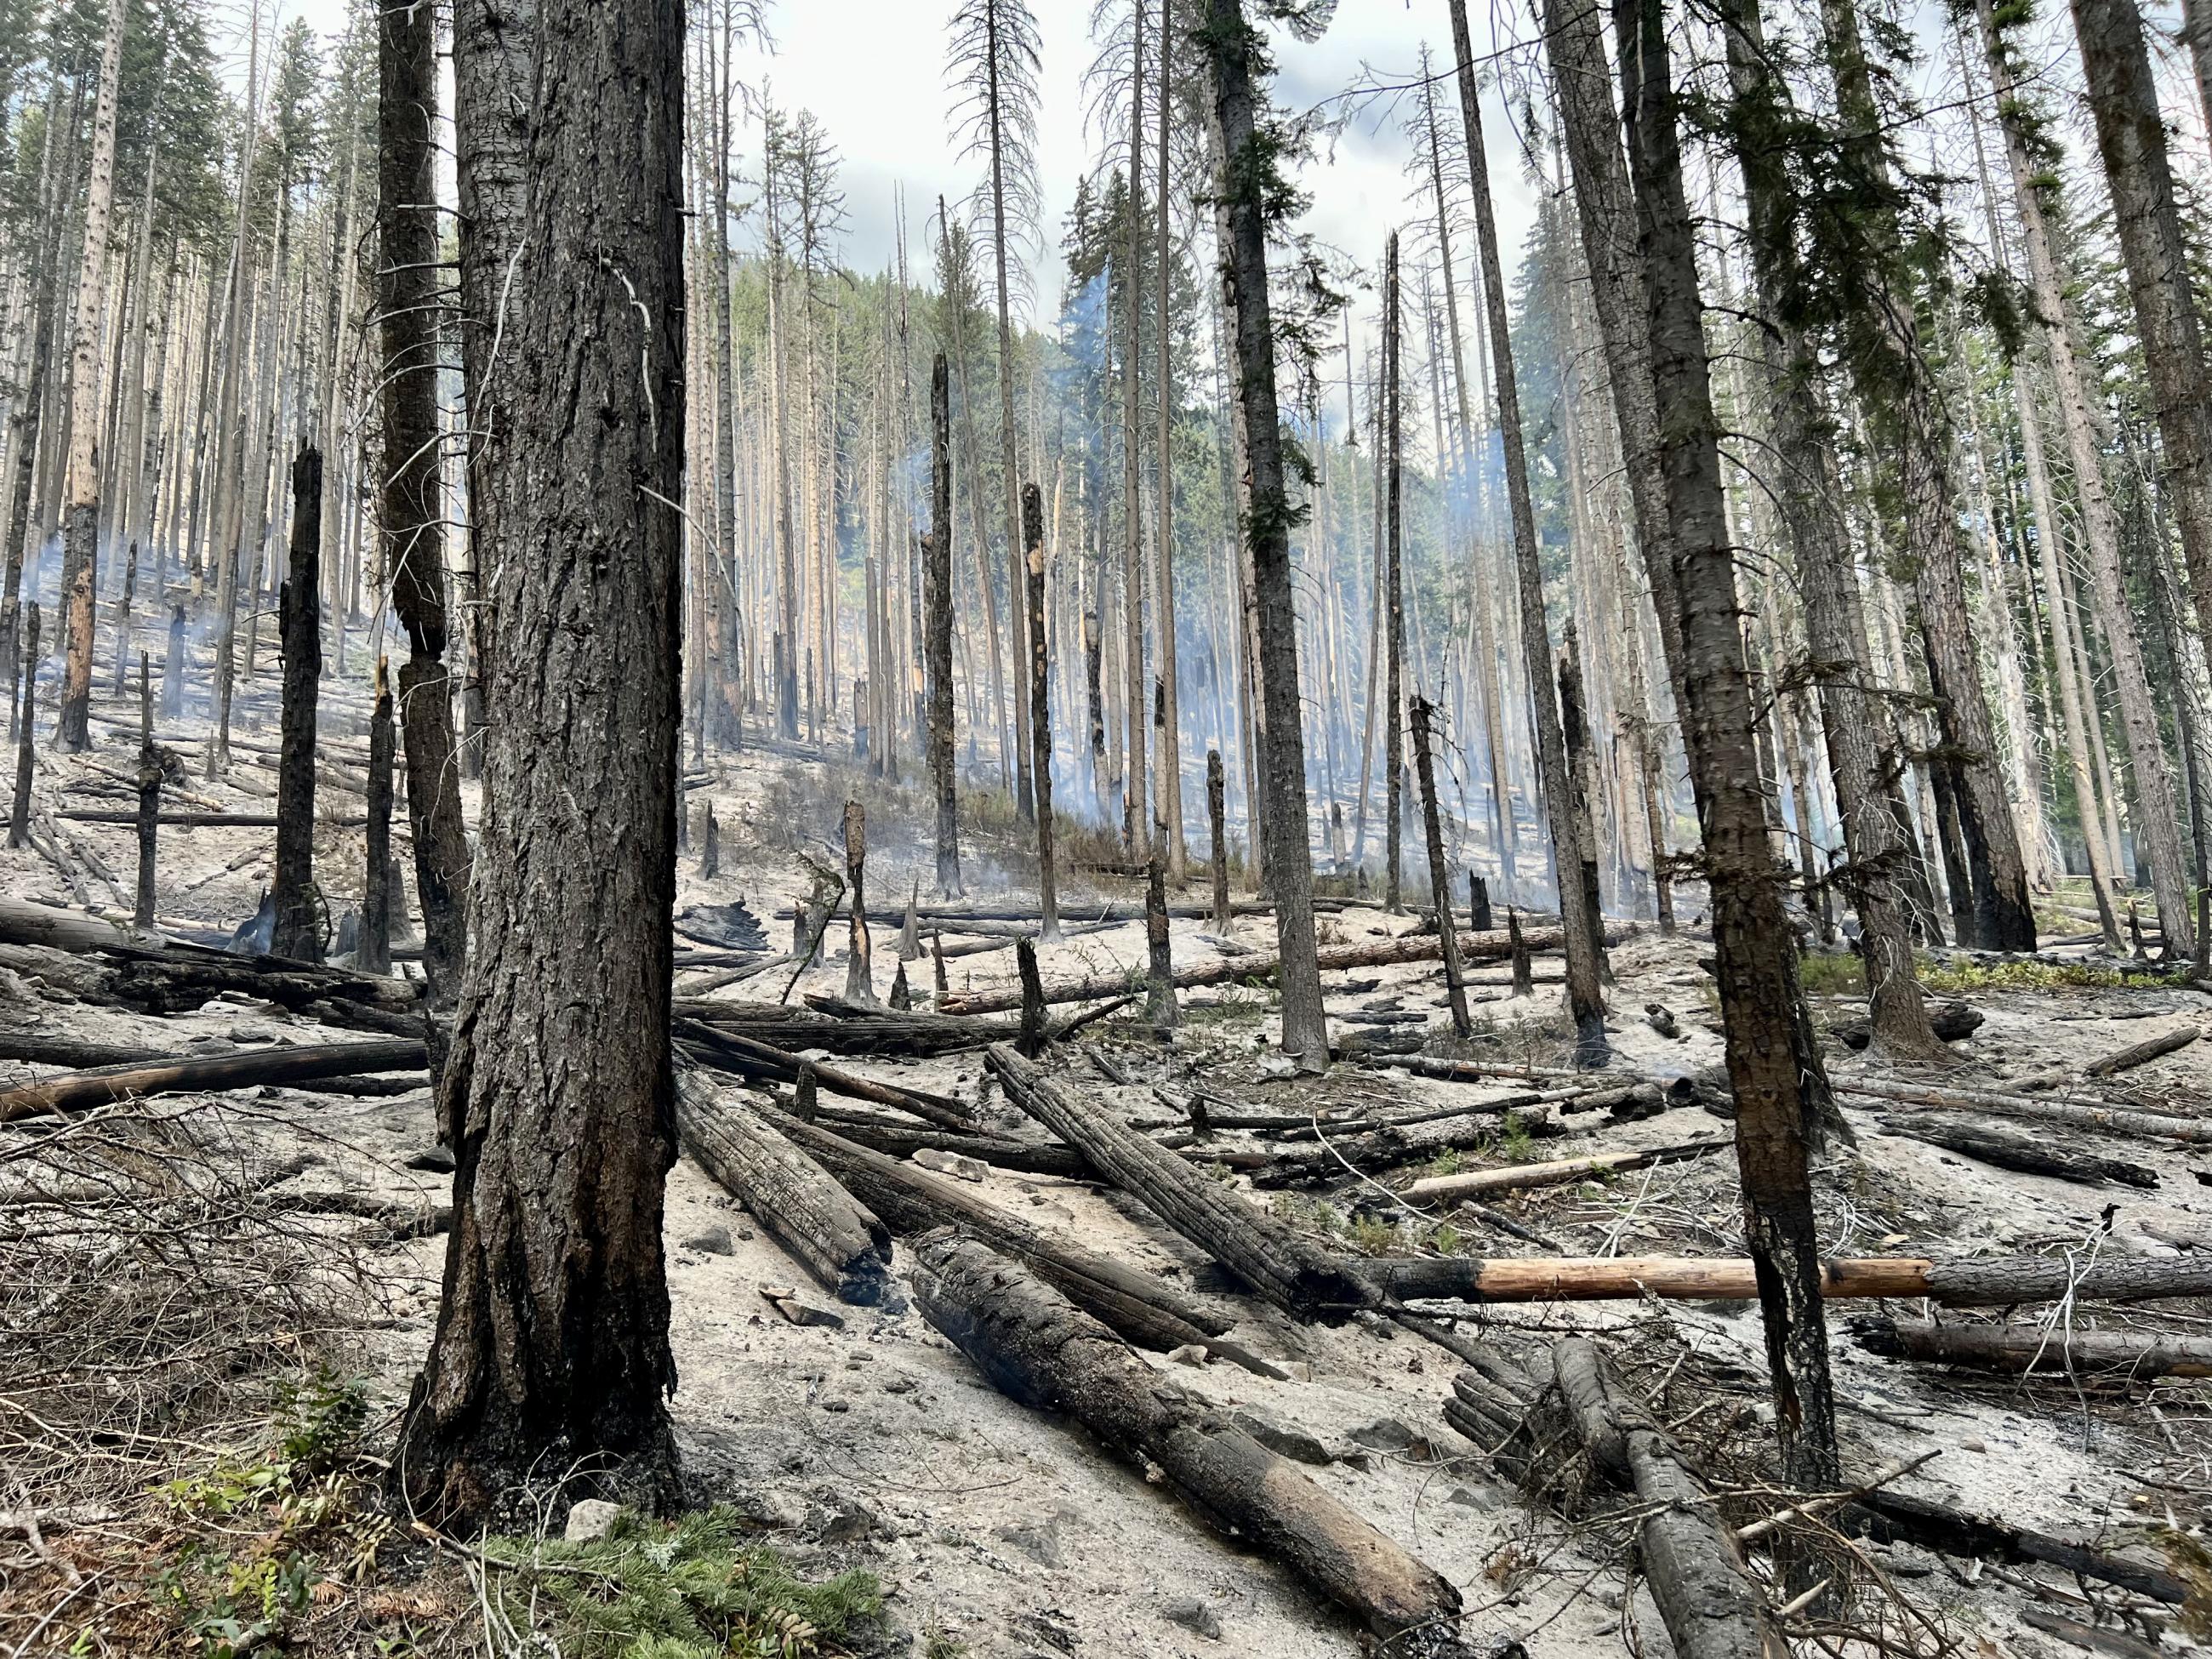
1169	784
1138	820
1265	521
2158	826
936	603
413	508
1393	679
1761	1004
1040	707
299	927
551	1360
81	534
1585	998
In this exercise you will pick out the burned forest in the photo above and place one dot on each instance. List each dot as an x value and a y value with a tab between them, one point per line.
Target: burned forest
995	829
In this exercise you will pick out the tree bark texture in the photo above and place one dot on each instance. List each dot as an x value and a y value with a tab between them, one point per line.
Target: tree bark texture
299	931
552	1349
937	601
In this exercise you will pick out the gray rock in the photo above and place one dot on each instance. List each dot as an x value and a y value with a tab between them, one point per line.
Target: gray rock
715	1241
438	1160
1194	1616
591	1518
1040	1543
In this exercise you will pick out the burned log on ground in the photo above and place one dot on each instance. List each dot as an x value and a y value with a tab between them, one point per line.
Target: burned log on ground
1953	1022
2140	1053
727	1051
1138	1305
1558	1172
1285	1265
1410	947
2019	1153
1042	1351
897	1139
2111	1120
1566	1401
820	1225
1894	1515
103	1084
1991	1282
2018	1351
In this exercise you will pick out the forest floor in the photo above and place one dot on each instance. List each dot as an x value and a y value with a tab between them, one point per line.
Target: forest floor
868	1442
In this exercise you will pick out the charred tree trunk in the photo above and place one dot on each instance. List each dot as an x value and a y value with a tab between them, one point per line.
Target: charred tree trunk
552	1349
1394	622
373	954
413	513
1585	997
1769	1062
19	818
1440	892
1217	789
299	931
937	601
1040	709
150	797
1265	522
860	973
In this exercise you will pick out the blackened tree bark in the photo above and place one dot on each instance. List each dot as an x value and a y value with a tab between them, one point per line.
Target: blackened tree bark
372	949
298	926
1863	755
491	150
1040	705
551	1361
26	721
150	797
1393	679
1440	892
412	518
1232	50
1582	929
937	603
1913	426
1756	954
2131	139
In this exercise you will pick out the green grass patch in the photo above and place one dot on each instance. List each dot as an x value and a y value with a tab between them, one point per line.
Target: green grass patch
698	1588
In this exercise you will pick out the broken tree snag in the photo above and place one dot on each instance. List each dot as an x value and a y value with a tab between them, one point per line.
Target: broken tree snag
172	667
1040	707
1160	1009
2142	1053
1995	1348
1031	1038
1521	1177
2197	1131
299	927
1478	904
19	819
104	1084
150	797
2029	1156
1524	977
936	608
1424	771
820	1225
909	944
859	980
373	952
1041	1350
939	984
1290	1270
1216	810
123	620
1410	947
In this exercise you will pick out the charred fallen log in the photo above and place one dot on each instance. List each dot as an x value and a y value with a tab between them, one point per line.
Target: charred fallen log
1995	1348
103	1084
1042	1351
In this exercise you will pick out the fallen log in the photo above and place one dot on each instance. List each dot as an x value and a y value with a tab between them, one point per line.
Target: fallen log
2139	1054
1953	1022
1893	1515
898	1139
38	1048
100	1086
1711	1605
1282	1264
2008	1152
820	1225
728	1051
1041	1351
2197	1131
1138	1305
201	820
1558	1172
1995	1348
1996	1281
1410	947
